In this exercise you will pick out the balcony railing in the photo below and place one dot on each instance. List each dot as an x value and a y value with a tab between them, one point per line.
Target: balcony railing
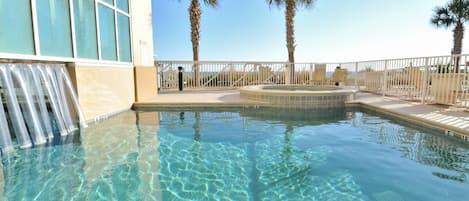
429	80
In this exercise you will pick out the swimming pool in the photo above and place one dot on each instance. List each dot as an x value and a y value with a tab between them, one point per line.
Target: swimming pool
242	154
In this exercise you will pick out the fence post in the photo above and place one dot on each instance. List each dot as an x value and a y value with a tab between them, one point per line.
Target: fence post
385	77
466	82
230	75
311	73
288	73
158	76
197	74
425	82
356	76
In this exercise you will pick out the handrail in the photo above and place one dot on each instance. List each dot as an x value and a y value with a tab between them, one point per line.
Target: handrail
286	62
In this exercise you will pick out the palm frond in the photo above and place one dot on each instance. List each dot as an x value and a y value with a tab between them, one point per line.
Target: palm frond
213	3
443	17
298	3
459	10
275	2
306	3
466	10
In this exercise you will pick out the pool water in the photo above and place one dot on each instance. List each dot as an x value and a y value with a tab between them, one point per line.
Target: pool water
243	154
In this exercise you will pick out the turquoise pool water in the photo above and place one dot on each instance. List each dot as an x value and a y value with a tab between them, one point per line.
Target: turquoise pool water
242	154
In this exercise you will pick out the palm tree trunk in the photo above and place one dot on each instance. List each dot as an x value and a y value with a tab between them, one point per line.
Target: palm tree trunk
290	23
195	13
458	35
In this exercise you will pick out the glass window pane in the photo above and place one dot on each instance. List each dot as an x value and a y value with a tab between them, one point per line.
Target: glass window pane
124	38
109	1
107	33
54	28
123	5
16	32
85	29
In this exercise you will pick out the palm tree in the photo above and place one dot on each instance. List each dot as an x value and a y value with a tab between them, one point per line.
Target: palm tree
195	13
290	11
454	13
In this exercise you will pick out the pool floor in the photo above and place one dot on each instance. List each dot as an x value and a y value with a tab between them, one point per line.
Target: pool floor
242	154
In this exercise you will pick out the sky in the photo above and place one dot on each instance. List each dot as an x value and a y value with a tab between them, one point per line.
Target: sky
330	31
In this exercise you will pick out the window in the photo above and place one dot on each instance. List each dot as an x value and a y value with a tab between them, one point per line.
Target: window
107	32
112	49
41	29
16	29
124	38
85	29
54	28
123	5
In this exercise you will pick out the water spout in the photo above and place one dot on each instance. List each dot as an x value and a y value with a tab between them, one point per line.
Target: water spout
5	138
14	111
74	97
51	94
39	100
29	107
57	85
44	114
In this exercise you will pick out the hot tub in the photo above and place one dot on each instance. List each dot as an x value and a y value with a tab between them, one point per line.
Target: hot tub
297	96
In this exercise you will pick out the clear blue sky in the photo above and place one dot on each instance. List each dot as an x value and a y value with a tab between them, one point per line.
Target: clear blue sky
331	31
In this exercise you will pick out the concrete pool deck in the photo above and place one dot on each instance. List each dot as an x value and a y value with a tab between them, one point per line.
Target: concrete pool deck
453	119
197	98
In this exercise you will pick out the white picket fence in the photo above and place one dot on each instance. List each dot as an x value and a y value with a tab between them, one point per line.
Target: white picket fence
429	80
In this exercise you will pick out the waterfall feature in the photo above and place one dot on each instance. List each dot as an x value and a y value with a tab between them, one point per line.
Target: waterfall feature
37	101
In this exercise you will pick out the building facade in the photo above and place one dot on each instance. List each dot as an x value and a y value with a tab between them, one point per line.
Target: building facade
107	46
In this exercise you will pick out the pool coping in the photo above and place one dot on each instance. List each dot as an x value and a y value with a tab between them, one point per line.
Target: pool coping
446	129
259	90
148	105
